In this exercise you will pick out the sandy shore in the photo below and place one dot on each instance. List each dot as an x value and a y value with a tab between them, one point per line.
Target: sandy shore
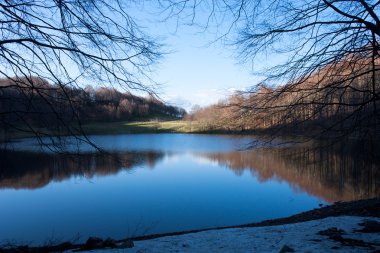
333	234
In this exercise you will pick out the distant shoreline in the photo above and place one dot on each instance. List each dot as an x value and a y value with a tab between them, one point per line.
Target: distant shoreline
125	127
122	127
158	126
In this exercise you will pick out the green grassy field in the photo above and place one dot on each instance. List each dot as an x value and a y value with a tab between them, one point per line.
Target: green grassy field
123	127
173	126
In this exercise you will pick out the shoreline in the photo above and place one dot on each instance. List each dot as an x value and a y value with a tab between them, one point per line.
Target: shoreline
361	208
364	208
139	127
342	234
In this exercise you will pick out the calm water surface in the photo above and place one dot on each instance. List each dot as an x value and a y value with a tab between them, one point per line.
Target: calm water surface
155	183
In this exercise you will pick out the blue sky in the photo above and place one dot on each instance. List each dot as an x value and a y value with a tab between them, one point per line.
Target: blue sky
197	71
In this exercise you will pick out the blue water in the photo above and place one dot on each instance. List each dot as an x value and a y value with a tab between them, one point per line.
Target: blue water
141	142
181	188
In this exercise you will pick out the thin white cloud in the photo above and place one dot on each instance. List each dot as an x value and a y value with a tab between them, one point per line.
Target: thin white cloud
203	97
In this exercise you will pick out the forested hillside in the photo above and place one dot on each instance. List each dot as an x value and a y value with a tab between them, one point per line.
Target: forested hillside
34	102
340	99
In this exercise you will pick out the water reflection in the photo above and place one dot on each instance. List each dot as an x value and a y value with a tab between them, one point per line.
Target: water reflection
165	183
332	173
30	170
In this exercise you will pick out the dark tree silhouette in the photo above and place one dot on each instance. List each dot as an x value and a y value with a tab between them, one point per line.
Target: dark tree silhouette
68	43
331	68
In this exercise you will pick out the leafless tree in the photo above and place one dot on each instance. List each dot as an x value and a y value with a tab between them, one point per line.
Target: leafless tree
330	74
69	43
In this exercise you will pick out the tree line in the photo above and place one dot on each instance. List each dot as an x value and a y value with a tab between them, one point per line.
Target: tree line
341	99
31	103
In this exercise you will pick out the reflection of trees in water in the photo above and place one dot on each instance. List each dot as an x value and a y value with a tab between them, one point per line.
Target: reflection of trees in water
35	170
333	173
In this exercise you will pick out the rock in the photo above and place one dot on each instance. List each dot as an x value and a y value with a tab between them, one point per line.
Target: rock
110	243
61	247
286	248
336	235
94	243
332	232
369	226
23	249
126	244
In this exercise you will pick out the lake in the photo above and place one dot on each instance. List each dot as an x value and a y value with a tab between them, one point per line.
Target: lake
156	183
